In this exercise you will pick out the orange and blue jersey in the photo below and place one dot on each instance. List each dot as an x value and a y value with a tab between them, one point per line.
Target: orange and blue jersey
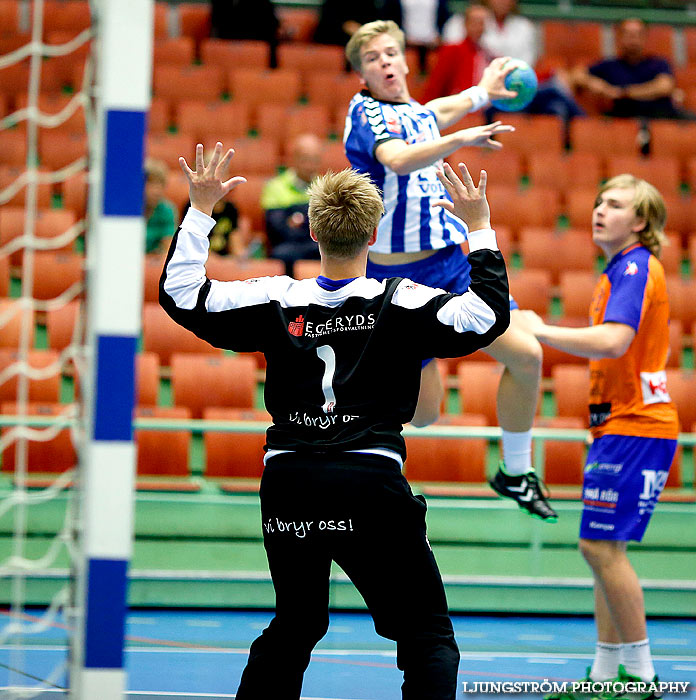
628	395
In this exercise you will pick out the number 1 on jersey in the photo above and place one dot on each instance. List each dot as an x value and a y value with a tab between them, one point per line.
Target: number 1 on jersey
328	357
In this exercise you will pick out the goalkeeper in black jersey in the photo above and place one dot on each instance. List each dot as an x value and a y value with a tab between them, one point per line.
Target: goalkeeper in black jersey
344	360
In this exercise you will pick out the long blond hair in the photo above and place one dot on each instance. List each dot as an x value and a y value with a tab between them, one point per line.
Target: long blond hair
648	205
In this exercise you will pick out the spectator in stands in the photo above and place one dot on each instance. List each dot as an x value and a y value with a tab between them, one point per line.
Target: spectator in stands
160	213
246	19
339	19
508	33
634	83
231	234
285	201
459	66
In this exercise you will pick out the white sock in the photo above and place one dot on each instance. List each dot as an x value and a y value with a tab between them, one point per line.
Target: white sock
606	662
517	452
636	659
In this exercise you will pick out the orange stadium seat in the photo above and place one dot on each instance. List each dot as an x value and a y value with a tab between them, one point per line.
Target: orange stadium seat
552	356
333	157
660	41
671	255
280	121
74	194
247	198
52	103
576	289
241	54
571	389
259	86
478	388
574	42
54	455
663	172
308	58
9	174
60	325
67	70
4	275
158	118
181	82
691	249
163	452
226	268
564	171
672	139
73	16
537	206
681	386
681	293
168	147
161	20
333	90
199	381
306	269
54	222
9	15
176	190
58	149
164	337
603	136
556	251
11	315
55	273
147	378
448	459
534	134
194	20
154	262
4	105
676	342
504	167
209	120
13	147
234	454
680	213
297	23
180	51
256	157
531	289
12	221
563	461
578	208
44	390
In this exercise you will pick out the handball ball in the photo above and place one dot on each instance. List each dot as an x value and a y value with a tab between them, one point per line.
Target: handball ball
521	80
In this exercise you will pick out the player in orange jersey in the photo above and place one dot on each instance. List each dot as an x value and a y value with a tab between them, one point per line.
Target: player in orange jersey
632	418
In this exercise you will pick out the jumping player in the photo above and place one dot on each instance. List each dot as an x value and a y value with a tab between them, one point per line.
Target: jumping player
397	142
343	359
632	418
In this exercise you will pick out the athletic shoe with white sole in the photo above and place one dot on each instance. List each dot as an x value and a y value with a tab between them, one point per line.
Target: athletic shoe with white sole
526	490
629	687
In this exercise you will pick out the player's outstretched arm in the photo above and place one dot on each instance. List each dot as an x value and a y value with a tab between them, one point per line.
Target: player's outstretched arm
469	201
449	110
207	184
610	340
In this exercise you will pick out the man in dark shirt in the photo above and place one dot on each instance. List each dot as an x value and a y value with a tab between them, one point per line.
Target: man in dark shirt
344	356
634	84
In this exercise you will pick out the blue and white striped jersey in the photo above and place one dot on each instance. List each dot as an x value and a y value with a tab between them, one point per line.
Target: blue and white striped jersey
410	223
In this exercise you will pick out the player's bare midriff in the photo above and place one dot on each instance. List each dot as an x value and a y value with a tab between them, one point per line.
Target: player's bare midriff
400	258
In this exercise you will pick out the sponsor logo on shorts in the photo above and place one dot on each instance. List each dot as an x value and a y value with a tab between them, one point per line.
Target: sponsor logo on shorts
653	483
601	526
604	468
600	498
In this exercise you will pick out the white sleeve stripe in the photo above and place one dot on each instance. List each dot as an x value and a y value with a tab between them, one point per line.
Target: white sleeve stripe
467	312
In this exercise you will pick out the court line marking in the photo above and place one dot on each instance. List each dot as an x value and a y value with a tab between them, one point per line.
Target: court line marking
470	656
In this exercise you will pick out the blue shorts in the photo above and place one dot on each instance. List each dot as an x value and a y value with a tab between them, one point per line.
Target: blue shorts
447	269
624	477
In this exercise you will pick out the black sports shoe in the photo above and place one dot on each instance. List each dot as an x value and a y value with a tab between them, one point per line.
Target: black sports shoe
526	490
